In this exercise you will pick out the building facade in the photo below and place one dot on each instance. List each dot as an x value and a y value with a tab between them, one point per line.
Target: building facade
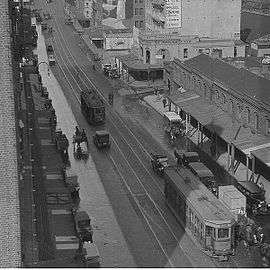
139	13
183	29
218	19
238	92
156	47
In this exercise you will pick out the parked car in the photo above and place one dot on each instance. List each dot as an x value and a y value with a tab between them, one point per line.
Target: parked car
101	139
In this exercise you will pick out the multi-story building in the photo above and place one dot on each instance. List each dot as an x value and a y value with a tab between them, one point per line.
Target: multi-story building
139	13
184	28
87	12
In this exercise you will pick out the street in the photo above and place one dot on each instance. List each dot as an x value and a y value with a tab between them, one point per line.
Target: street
133	225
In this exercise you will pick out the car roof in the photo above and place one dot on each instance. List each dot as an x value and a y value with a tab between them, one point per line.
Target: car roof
250	186
172	116
201	169
102	132
191	154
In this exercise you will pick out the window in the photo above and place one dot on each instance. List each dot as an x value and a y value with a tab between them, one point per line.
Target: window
136	11
185	53
256	121
141	11
248	115
137	24
268	126
141	1
235	51
223	233
136	1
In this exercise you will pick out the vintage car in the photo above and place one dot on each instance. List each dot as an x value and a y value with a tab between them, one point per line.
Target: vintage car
91	255
71	182
172	124
82	225
159	163
102	139
255	195
190	157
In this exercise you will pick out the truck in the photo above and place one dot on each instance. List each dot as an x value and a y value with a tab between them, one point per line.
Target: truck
233	199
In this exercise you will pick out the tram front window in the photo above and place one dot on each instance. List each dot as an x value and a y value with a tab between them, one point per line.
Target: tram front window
223	233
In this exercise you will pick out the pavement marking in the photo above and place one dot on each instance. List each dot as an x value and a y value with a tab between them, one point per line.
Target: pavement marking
46	142
67	246
248	150
69	238
61	212
53	176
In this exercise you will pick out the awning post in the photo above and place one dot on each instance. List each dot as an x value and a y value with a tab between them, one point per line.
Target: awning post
247	165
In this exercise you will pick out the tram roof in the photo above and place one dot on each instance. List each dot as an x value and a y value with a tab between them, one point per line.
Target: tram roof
92	99
202	200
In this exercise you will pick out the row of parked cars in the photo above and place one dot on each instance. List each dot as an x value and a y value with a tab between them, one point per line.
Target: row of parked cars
255	195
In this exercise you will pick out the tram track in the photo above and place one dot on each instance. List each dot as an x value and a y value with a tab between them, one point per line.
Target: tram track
120	141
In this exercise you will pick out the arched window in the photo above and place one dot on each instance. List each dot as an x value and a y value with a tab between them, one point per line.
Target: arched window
147	56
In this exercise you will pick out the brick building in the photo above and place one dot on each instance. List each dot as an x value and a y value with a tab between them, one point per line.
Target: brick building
10	251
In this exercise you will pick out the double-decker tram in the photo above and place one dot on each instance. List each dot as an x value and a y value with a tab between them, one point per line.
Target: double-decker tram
92	107
199	211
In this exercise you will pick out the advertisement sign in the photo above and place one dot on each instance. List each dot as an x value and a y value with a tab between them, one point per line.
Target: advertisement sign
173	13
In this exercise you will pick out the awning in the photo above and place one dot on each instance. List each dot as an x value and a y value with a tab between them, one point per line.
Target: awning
220	122
132	62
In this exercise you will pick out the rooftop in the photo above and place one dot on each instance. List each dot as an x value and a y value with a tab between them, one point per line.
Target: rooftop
238	80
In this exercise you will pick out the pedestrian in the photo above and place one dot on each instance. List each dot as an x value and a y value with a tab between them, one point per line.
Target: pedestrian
84	138
156	91
111	98
77	131
164	102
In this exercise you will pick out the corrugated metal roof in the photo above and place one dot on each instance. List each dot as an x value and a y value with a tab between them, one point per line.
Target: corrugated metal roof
238	80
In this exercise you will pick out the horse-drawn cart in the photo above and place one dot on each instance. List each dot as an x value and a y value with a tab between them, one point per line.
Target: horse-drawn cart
80	144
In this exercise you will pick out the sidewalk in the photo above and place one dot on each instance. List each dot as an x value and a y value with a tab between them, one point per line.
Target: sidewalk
241	173
107	235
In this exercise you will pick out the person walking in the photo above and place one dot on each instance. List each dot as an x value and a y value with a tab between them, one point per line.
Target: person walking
164	101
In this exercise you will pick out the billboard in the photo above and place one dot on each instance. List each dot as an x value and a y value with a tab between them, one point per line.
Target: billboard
173	13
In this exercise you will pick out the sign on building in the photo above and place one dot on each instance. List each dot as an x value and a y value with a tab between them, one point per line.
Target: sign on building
173	13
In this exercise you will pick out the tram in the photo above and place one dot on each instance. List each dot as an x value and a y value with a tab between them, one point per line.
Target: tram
93	108
199	211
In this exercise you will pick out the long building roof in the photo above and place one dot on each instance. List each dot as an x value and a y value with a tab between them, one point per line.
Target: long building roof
238	80
10	237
